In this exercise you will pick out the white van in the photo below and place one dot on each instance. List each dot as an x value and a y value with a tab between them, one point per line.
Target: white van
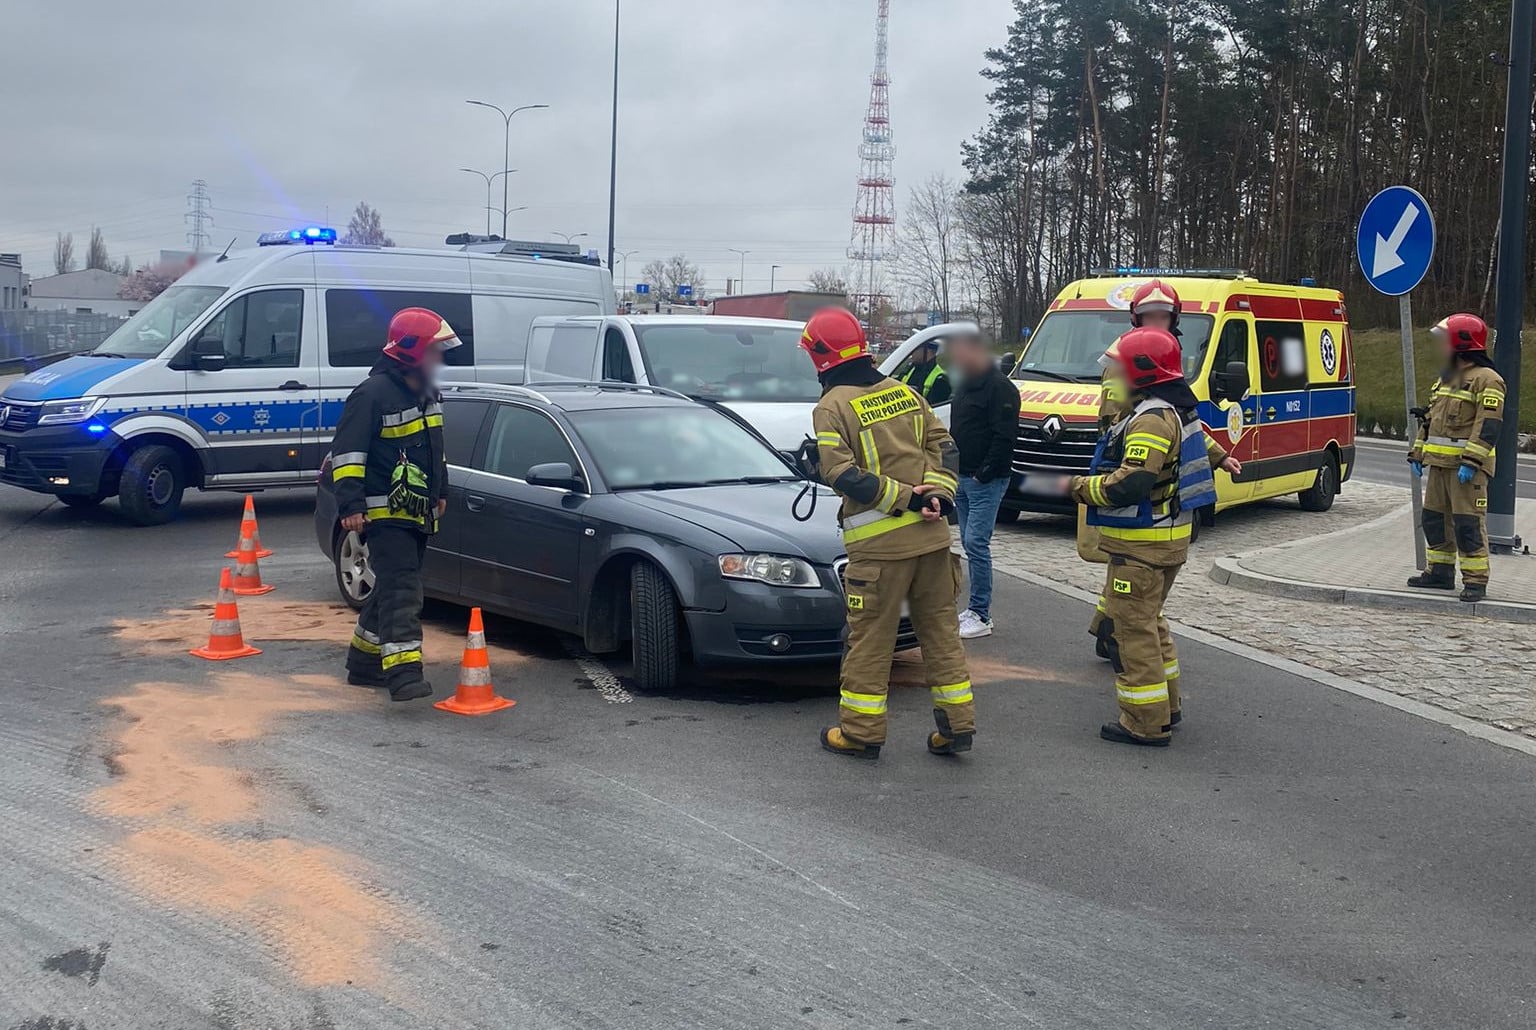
234	377
753	366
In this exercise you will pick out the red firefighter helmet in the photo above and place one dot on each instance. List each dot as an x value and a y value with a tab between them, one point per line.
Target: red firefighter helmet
1465	333
1155	295
413	331
1149	356
833	336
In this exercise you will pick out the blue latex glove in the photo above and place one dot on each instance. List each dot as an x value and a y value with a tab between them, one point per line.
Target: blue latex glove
1418	468
1464	474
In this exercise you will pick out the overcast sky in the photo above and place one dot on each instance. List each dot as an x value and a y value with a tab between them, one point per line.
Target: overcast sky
739	120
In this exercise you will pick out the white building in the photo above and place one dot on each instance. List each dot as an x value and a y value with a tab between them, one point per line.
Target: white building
89	291
11	282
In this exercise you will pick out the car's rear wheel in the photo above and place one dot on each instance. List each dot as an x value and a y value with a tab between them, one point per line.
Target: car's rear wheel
354	576
654	614
1319	497
154	478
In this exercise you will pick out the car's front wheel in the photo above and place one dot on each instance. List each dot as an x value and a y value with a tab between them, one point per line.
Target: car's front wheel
354	576
654	615
1319	497
153	481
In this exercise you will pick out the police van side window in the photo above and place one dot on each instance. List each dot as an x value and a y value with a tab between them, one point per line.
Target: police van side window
357	322
258	330
522	438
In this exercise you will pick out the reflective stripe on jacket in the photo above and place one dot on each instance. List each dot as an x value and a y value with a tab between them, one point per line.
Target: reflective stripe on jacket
387	460
1466	415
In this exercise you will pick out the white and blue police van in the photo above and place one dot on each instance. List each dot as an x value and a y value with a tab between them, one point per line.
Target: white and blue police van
235	376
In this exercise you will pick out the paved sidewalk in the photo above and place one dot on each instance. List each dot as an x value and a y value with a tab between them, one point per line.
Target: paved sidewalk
1367	565
1473	666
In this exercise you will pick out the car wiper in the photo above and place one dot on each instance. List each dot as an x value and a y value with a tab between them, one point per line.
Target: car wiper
665	484
753	480
1060	376
108	354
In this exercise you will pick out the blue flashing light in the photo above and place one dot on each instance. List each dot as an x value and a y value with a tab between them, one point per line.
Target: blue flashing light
96	428
310	234
1307	280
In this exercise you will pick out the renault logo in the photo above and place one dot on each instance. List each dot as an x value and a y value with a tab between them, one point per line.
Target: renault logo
1050	429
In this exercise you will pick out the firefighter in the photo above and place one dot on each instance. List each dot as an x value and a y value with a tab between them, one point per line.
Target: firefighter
1151	475
391	479
1466	413
926	376
1155	305
892	462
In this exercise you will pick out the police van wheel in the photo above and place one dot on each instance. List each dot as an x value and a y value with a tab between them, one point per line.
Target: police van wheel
152	483
653	614
354	576
1322	492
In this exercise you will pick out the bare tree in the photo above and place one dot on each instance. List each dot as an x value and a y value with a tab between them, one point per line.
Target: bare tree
64	253
932	246
367	228
96	251
666	276
828	280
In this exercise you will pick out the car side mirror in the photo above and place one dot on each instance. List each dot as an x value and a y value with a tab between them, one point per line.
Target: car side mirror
210	362
1231	385
556	474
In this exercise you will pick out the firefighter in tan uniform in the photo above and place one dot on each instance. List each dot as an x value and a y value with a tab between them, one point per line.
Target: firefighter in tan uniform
1151	475
1455	443
894	465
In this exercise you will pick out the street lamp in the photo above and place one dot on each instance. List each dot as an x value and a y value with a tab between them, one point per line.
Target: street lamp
624	257
741	284
488	208
569	236
506	147
613	143
773	277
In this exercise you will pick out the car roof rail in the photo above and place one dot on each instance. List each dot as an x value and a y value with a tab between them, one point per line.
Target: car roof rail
578	384
519	391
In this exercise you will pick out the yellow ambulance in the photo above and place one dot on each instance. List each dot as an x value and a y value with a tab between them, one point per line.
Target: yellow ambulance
1271	364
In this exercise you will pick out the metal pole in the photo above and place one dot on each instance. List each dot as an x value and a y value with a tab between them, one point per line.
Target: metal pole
613	145
773	278
1410	393
1510	305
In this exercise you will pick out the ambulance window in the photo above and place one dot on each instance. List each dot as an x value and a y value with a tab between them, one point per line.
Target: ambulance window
1233	345
357	323
258	330
1282	356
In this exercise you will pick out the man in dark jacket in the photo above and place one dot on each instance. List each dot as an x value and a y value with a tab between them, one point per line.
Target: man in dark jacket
390	474
984	420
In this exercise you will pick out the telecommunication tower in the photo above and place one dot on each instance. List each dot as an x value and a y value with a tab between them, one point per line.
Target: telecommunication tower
874	210
199	217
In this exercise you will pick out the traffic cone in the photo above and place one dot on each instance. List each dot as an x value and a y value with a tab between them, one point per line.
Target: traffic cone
475	695
248	570
224	638
248	528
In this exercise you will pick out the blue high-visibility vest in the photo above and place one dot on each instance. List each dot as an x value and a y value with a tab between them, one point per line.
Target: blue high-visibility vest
1196	483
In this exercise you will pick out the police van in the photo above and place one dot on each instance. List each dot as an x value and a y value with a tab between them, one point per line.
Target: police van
235	376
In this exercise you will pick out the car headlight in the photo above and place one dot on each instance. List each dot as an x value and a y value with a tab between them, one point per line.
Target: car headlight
61	413
773	569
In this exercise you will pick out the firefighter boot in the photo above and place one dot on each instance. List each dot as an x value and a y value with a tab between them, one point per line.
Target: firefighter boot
1474	592
411	690
1436	577
945	741
833	740
366	679
1114	732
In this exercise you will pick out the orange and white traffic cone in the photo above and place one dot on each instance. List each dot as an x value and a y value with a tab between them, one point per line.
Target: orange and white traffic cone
475	695
248	570
248	528
224	638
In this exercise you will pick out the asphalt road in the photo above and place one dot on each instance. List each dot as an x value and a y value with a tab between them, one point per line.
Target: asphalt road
1384	461
256	845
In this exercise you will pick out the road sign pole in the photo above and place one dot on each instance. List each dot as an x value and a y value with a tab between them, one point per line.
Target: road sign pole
1511	291
1410	396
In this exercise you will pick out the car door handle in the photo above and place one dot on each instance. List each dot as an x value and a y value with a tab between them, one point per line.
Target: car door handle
1269	414
474	502
294	384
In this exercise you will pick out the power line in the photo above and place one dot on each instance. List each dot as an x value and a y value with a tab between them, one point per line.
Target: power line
199	217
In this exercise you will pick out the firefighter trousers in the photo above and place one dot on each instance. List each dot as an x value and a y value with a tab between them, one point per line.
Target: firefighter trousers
387	638
1146	663
1455	520
876	589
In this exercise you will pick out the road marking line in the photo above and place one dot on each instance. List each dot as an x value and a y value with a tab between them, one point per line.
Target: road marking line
600	676
1471	727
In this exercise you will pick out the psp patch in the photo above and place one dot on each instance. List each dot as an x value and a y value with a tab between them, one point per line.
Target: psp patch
855	603
1122	586
1490	401
885	405
1137	452
1482	502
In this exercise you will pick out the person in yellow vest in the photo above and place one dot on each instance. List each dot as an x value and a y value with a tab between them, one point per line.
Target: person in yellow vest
1151	475
1454	451
926	376
894	465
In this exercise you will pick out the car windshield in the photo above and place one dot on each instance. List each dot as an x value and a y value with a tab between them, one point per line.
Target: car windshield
1068	344
158	322
671	447
729	362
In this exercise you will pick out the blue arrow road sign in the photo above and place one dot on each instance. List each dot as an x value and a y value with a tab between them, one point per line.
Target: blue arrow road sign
685	291
642	288
1396	240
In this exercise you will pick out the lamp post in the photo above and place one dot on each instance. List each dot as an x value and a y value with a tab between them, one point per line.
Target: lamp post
613	143
488	208
506	147
741	284
773	277
624	257
569	236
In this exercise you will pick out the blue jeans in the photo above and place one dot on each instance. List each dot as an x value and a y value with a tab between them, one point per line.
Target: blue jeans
976	505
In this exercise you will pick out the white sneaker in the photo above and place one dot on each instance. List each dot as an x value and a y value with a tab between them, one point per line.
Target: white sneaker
973	626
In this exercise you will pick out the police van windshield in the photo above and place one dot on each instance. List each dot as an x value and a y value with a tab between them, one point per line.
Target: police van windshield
729	362
159	322
1068	344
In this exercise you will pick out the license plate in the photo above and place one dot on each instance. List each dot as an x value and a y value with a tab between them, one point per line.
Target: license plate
2	457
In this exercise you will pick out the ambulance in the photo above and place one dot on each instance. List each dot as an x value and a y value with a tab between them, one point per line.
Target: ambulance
1271	364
